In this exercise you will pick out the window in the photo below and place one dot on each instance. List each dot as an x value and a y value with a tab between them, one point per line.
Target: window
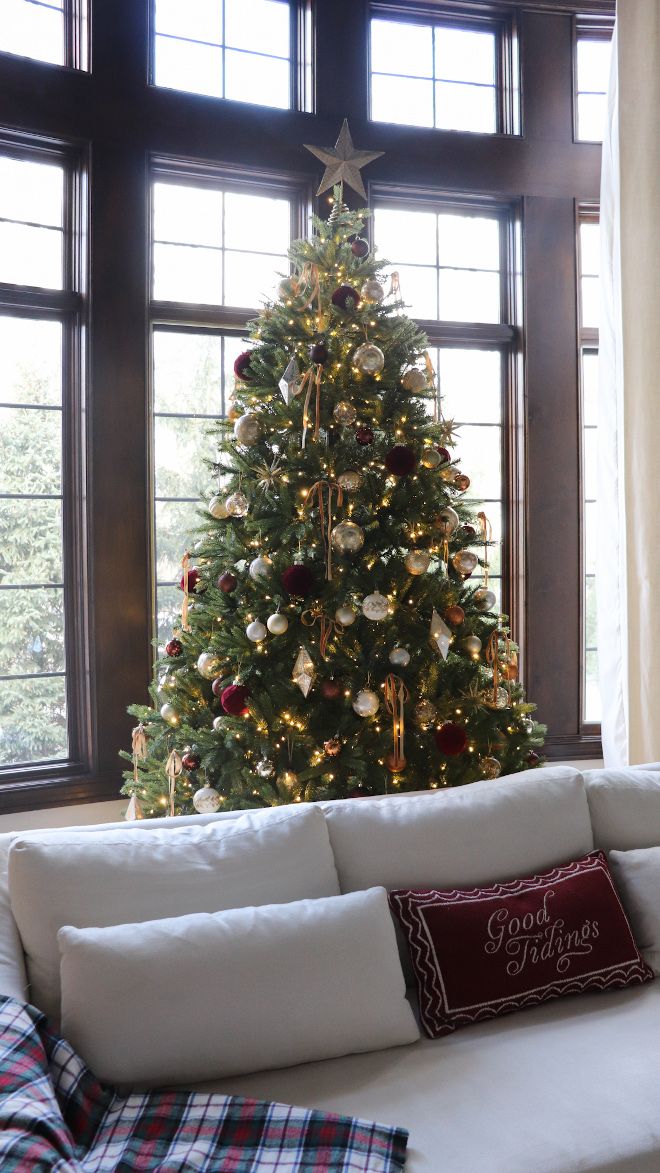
589	268
441	74
238	49
212	246
592	69
37	401
46	30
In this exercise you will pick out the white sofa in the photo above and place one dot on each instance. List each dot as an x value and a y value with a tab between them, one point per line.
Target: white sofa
570	1085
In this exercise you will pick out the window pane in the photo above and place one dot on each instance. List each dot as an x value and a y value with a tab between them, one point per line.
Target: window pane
592	116
249	278
37	627
187	215
168	612
31	192
185	65
470	385
469	242
479	449
590	536
397	47
181	446
590	471
30	542
401	99
33	720
419	290
32	30
593	64
465	107
590	289
30	256
592	704
176	522
590	249
469	297
198	20
264	81
461	55
406	236
31	361
590	387
260	26
187	274
187	373
257	223
30	450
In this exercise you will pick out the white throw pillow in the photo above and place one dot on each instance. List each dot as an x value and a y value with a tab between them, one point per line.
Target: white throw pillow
204	996
110	878
637	878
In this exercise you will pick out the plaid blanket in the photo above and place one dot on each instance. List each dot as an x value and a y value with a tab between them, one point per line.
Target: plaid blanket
56	1118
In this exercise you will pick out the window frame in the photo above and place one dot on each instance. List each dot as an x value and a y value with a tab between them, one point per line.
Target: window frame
588	340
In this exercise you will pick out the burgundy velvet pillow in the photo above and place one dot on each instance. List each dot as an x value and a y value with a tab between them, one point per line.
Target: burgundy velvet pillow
480	952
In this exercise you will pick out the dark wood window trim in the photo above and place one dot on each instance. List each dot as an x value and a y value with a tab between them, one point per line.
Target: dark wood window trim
123	122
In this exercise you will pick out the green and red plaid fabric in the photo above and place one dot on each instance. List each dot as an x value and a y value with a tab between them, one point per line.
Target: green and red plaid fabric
56	1117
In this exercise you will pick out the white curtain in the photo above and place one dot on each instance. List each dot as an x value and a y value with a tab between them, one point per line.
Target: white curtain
628	566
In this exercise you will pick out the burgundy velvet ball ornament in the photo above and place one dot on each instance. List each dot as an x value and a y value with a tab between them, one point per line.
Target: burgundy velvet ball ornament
318	352
360	247
400	460
174	647
532	759
331	689
364	436
191	760
233	699
358	791
227	582
193	579
298	580
451	739
242	366
445	454
345	298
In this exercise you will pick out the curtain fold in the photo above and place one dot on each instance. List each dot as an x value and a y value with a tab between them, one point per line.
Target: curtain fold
628	561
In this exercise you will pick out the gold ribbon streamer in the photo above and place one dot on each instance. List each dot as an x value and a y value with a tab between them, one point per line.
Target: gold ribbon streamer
310	380
325	522
395	286
309	276
328	627
396	694
173	767
431	378
185	563
493	658
486	537
139	748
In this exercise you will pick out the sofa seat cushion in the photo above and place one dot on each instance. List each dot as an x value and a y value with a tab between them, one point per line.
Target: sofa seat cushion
570	1085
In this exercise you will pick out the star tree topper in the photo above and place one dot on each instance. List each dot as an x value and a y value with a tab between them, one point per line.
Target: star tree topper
343	163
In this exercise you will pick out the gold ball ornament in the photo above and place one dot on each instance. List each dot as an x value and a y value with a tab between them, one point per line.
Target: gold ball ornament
347	537
237	505
247	429
366	703
372	290
208	665
375	607
344	413
414	380
484	599
369	359
472	645
206	800
464	561
350	481
424	713
277	624
169	714
490	767
430	458
332	747
218	508
345	615
417	561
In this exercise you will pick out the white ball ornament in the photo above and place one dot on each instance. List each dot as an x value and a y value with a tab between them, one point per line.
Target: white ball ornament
256	631
218	724
169	714
260	567
369	359
413	380
399	657
237	505
417	561
218	508
208	665
347	537
277	623
247	429
366	703
206	800
345	616
372	290
375	606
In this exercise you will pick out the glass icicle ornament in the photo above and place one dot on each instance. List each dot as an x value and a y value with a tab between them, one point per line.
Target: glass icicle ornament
369	359
288	384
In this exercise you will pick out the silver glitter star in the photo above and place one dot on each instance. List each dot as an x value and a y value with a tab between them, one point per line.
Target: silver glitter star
343	163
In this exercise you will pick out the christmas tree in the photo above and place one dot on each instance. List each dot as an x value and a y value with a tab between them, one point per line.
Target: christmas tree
331	644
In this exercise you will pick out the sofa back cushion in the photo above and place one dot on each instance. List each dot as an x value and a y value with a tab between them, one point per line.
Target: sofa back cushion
625	807
115	877
236	991
468	836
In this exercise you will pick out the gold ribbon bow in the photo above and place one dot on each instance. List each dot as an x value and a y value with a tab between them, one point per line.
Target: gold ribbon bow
173	767
139	748
325	520
486	537
327	626
396	694
309	277
185	563
310	380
